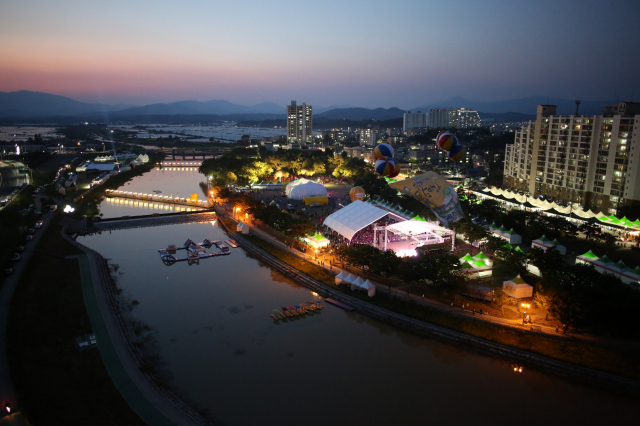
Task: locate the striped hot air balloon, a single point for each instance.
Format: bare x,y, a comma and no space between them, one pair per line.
396,169
386,166
446,141
383,150
457,153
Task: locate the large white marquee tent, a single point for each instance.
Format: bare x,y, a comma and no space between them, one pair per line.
302,188
354,217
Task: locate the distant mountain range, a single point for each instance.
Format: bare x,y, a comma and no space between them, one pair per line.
38,104
361,114
26,104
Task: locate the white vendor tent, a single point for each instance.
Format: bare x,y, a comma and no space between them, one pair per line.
301,188
341,276
242,228
316,241
544,243
352,218
357,283
520,289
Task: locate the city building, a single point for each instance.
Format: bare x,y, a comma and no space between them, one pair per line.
363,152
368,136
466,118
411,120
461,118
440,118
299,123
576,159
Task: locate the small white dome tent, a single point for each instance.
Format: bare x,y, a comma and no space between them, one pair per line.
301,188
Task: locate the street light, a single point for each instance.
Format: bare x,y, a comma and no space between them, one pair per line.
524,313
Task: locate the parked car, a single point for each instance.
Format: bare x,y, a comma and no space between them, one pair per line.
20,249
39,224
31,231
29,237
15,257
8,271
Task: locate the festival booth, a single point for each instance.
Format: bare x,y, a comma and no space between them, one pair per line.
357,283
519,288
316,241
242,228
476,266
340,277
301,188
544,243
360,284
605,265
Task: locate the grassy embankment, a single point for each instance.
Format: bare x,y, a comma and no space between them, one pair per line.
616,361
56,383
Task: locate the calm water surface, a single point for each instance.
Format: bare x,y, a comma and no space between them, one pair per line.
226,354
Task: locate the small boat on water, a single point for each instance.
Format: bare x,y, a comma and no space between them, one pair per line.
232,243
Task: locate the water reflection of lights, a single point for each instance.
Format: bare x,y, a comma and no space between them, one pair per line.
124,202
517,369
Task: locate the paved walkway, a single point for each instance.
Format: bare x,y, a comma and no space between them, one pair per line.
155,406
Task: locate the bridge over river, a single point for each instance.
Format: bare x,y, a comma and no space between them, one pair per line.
156,219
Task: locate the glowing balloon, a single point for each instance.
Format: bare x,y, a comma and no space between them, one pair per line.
386,166
457,153
383,150
356,193
446,141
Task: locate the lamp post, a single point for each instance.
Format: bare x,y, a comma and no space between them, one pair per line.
524,313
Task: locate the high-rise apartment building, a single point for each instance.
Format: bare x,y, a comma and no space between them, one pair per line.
461,118
585,160
440,118
465,118
368,136
299,123
413,120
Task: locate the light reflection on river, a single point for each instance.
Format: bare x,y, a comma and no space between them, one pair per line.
226,354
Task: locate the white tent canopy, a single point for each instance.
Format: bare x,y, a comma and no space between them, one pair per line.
414,227
301,188
352,218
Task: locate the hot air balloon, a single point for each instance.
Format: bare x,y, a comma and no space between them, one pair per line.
457,153
356,193
383,150
386,166
396,170
446,141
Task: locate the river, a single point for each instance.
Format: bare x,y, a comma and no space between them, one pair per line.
226,355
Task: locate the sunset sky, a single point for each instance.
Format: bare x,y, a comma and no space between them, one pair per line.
364,53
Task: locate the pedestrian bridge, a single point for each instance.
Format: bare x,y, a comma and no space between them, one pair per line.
157,198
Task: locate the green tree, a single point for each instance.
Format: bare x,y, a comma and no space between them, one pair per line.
545,261
504,296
